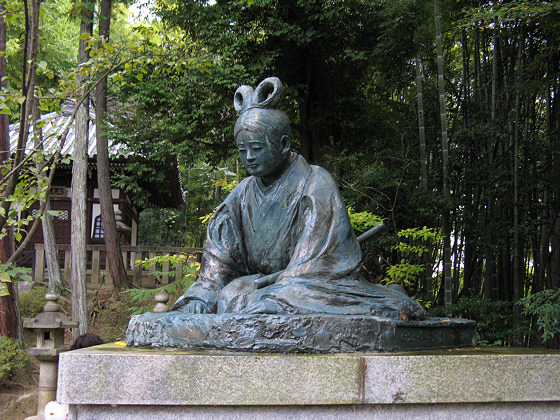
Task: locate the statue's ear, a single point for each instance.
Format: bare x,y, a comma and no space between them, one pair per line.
286,144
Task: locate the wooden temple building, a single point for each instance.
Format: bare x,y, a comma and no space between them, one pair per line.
126,211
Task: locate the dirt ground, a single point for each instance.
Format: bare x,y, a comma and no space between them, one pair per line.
20,401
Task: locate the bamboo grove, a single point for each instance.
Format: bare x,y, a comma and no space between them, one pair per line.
502,86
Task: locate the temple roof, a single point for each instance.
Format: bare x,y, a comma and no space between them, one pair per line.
54,124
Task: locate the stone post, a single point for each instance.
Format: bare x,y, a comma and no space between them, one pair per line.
161,306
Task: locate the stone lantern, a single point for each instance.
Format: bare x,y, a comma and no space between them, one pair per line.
50,326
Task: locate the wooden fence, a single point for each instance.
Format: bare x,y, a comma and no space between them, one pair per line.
98,270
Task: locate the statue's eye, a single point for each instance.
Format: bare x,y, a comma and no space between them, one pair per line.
242,149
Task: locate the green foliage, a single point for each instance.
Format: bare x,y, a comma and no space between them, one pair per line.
545,306
162,227
414,243
404,274
10,273
227,186
14,362
206,218
205,186
32,302
144,298
497,323
29,189
109,318
362,221
343,43
511,11
418,241
58,49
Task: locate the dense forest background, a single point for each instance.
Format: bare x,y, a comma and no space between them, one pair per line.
359,74
441,117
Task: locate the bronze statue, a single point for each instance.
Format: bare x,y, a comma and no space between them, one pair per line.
281,265
281,242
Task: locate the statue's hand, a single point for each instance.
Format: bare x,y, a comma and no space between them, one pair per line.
195,307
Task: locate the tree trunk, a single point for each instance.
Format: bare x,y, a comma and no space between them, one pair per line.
448,287
305,139
79,191
56,282
466,77
8,317
421,127
494,73
476,66
114,255
427,277
490,265
553,131
516,267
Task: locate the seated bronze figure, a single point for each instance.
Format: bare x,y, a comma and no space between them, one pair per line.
281,242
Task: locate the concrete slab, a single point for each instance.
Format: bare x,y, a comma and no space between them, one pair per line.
163,377
488,411
112,382
459,378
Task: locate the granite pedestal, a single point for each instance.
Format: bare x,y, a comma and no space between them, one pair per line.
109,382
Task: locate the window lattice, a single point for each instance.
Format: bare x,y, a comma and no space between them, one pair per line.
98,228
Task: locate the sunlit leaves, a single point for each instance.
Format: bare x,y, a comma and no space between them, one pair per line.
414,242
10,273
505,12
364,220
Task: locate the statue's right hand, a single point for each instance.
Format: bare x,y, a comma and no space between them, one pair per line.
195,307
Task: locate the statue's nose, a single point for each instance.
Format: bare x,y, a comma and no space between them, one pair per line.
250,156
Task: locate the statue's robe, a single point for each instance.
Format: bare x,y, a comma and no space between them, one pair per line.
297,229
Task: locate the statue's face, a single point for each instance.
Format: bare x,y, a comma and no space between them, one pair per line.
261,156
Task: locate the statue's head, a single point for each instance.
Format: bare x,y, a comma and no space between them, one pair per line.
262,132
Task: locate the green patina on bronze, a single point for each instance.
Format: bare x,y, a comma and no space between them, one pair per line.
281,264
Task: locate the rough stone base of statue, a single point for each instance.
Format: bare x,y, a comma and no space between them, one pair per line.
297,333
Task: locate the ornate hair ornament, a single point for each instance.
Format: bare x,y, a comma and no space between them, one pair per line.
268,94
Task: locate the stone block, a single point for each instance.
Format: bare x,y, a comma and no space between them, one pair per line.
162,377
459,378
112,382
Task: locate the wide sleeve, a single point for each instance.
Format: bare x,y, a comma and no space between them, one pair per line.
326,246
223,258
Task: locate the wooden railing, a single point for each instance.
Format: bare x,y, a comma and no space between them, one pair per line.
98,270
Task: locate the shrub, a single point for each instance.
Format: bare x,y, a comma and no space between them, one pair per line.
14,362
362,221
545,306
32,302
497,322
111,317
413,244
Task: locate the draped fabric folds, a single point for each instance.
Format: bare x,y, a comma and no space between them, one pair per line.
297,230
